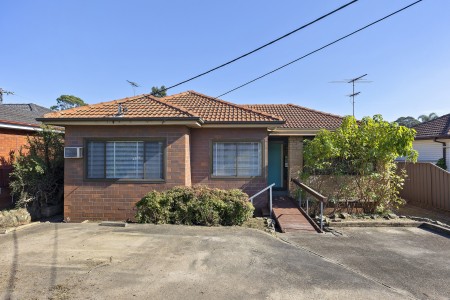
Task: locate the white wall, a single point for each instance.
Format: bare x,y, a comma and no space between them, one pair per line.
430,151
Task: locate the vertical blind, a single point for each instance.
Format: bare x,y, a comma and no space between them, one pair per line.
236,159
125,159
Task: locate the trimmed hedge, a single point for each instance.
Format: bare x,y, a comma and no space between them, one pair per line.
195,206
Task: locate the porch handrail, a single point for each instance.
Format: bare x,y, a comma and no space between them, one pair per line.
262,191
322,199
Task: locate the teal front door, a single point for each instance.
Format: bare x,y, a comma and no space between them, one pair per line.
275,164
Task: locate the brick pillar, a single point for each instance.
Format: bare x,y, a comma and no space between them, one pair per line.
295,158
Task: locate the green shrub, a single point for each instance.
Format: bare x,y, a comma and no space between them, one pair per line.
195,206
441,163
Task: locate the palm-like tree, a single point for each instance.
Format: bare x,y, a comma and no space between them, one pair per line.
426,118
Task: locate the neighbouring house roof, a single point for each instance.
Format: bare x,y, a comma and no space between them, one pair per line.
21,116
299,117
187,106
437,128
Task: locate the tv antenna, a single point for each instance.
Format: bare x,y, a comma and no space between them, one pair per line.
4,92
352,81
134,85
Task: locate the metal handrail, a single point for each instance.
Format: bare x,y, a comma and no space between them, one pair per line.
270,197
313,193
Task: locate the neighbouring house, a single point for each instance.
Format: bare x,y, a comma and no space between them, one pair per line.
17,121
131,146
432,140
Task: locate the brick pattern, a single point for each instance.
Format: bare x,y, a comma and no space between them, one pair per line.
295,157
11,142
201,160
103,200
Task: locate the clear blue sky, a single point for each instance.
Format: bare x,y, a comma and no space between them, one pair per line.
90,48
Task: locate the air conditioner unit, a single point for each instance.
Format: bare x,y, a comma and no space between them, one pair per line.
73,152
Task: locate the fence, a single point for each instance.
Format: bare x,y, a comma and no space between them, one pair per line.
426,185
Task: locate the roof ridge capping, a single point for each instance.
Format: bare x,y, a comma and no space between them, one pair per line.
276,118
177,107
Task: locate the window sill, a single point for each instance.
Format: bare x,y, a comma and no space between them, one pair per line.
154,181
234,177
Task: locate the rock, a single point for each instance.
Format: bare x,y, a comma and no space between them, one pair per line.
392,216
402,217
344,215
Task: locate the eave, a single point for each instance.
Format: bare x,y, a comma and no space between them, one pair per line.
295,132
111,121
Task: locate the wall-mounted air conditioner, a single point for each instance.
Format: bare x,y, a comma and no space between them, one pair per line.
73,152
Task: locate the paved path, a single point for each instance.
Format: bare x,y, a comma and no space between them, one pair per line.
289,217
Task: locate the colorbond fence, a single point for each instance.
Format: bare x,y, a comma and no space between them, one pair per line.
426,185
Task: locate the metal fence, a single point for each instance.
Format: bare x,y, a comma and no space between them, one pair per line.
426,185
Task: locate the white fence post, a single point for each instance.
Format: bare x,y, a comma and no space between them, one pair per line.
270,190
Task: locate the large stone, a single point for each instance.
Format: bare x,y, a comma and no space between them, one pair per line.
14,217
344,215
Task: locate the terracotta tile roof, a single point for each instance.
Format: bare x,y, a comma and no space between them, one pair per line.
298,117
439,127
142,106
218,111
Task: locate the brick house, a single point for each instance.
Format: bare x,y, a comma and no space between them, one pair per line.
142,143
17,121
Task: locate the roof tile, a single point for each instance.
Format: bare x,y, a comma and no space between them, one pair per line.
298,117
439,127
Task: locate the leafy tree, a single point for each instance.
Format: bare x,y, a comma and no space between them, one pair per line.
407,121
159,92
67,101
426,118
38,175
364,154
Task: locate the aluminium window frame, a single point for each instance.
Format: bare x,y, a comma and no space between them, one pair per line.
235,141
124,139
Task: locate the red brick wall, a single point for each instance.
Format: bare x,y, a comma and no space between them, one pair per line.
10,140
201,159
115,201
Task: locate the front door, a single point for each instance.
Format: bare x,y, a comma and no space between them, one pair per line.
275,164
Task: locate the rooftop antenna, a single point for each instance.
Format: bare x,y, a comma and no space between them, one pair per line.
4,92
352,81
134,85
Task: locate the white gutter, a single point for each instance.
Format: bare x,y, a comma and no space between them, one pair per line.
20,127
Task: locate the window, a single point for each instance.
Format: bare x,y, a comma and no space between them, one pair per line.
241,159
125,160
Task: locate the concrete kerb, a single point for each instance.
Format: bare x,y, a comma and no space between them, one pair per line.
417,224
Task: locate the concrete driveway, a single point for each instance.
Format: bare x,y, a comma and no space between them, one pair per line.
87,261
413,261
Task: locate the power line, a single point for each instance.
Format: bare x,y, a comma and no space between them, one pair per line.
321,48
261,47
